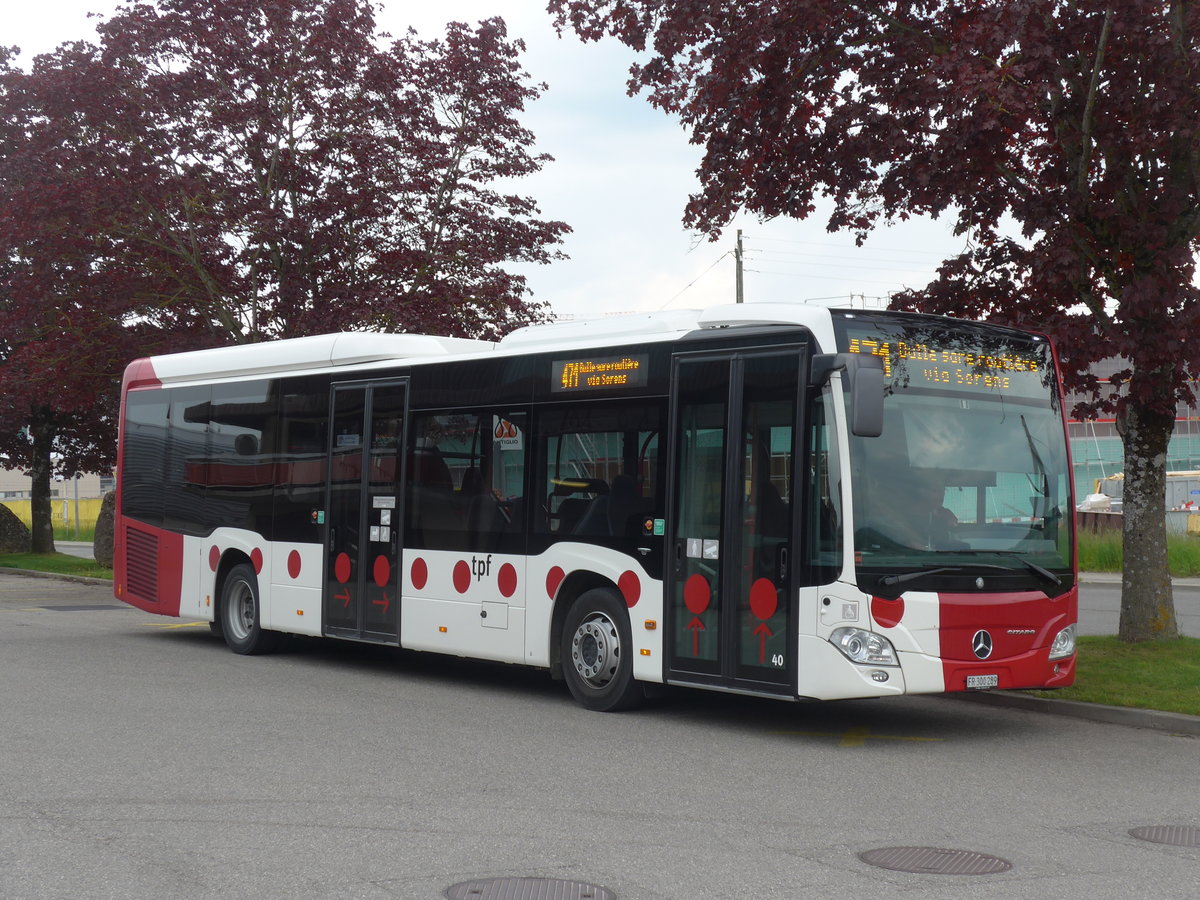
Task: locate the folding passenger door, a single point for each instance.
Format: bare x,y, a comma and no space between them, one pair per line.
363,540
731,604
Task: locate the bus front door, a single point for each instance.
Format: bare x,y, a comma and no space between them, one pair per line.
362,547
731,606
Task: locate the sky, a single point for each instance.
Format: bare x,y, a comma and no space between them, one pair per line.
621,176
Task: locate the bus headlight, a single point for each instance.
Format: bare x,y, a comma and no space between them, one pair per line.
1064,643
864,647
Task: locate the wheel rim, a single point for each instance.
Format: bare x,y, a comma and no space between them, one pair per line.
596,650
240,610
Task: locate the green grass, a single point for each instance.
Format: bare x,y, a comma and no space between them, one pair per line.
1161,675
59,563
68,533
1101,552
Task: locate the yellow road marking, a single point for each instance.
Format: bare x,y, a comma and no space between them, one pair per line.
175,625
858,736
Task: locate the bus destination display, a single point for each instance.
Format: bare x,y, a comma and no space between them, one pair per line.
952,361
598,373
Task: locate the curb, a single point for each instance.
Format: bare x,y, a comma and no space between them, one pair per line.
1157,720
59,576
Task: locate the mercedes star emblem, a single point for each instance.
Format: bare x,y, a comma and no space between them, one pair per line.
982,644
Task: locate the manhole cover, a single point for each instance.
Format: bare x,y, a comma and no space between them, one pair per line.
935,861
527,889
1175,835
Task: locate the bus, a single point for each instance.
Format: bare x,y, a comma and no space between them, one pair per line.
767,499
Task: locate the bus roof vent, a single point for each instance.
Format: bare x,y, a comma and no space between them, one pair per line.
591,330
317,351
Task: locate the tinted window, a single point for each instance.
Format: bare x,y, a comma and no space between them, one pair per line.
465,481
144,453
300,455
598,474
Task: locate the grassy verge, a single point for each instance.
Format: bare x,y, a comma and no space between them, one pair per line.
68,533
1155,675
1101,552
59,563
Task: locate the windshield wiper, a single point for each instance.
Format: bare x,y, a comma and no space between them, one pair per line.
892,580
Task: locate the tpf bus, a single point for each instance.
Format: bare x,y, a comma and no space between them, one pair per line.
769,499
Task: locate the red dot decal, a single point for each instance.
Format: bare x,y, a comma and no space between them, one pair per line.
341,568
554,578
462,576
256,559
631,588
506,580
763,599
294,564
382,571
696,594
887,613
214,558
419,573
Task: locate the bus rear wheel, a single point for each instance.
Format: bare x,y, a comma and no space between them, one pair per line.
240,613
596,653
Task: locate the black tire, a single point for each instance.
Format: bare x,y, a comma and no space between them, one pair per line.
239,614
596,653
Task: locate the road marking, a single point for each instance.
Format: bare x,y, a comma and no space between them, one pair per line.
858,735
175,625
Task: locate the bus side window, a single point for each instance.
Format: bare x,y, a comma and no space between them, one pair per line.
823,525
599,470
495,490
465,482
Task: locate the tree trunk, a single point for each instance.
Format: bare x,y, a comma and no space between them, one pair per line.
1147,602
41,429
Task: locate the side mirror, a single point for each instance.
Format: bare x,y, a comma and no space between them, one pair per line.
864,380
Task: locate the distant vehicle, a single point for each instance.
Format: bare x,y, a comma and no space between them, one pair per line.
768,499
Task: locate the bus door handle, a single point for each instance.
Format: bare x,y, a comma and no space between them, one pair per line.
781,562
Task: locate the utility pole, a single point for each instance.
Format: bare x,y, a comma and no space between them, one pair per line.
737,255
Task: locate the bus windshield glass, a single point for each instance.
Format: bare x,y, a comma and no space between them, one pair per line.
970,475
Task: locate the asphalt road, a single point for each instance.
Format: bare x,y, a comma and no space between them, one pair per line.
141,759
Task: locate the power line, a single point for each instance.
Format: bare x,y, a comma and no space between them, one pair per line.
697,278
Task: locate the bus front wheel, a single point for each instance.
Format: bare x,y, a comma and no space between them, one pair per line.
596,653
240,612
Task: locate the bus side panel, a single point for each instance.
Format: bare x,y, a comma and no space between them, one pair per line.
294,588
464,603
150,576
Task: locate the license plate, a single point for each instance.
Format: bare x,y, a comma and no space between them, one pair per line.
980,682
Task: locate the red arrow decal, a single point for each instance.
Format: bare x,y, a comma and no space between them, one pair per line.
385,603
695,627
763,633
345,596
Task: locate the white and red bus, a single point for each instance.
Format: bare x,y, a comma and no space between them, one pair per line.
769,499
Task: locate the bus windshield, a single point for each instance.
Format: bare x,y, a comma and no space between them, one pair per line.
970,475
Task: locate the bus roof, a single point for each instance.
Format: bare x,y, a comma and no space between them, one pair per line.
305,353
364,348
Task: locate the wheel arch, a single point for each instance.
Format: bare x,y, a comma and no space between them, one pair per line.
229,560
